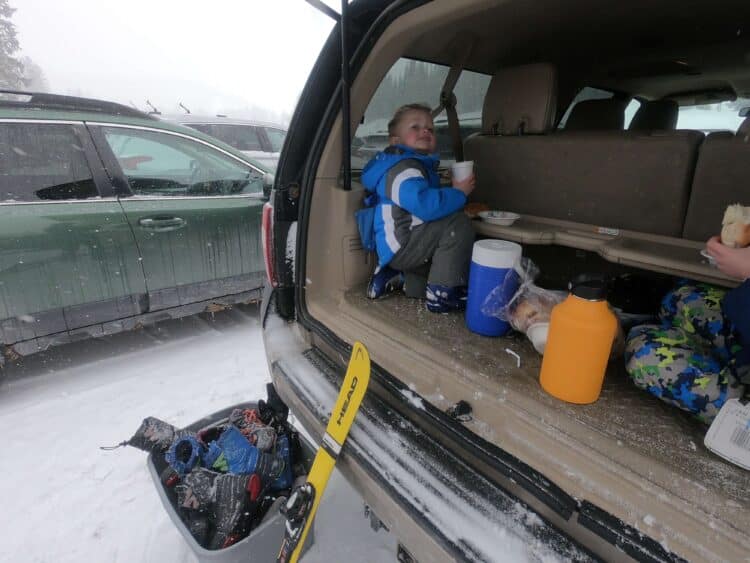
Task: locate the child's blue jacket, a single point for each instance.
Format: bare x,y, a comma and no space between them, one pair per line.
408,193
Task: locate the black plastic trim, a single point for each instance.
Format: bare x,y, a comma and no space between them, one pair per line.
111,165
98,173
636,544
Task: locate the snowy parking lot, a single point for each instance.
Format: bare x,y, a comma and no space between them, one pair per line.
66,500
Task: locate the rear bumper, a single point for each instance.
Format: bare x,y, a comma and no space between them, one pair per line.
439,508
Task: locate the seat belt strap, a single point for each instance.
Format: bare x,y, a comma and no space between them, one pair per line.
465,45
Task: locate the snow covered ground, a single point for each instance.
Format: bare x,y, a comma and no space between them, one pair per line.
66,500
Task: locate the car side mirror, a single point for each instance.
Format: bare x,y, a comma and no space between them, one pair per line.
268,180
744,112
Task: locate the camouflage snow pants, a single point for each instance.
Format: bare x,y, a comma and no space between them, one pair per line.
688,361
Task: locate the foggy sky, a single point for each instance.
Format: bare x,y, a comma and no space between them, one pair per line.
213,56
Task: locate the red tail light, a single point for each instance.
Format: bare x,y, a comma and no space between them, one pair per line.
266,232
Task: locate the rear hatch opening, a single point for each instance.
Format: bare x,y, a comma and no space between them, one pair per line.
635,466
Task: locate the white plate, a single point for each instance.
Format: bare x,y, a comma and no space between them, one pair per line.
708,257
504,218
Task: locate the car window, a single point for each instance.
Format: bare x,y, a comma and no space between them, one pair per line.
241,137
710,118
411,81
162,164
43,162
276,137
630,111
584,94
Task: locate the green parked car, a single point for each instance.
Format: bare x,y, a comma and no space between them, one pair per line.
110,218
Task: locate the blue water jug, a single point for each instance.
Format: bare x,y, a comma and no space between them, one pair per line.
492,265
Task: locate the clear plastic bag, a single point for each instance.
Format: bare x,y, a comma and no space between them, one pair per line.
530,303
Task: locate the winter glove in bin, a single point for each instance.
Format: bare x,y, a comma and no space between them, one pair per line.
222,496
242,457
155,435
184,454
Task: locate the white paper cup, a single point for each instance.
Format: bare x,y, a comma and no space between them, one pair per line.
462,170
537,333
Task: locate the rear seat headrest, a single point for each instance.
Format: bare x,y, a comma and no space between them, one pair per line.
521,99
597,115
655,115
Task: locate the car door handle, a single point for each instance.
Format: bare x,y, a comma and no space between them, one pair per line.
161,224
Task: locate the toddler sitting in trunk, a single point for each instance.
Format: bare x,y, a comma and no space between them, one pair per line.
420,228
700,355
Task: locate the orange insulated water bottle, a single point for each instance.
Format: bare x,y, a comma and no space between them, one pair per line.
581,331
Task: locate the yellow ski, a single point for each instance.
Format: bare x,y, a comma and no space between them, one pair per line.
303,503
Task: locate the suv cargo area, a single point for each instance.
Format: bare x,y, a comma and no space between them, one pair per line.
598,190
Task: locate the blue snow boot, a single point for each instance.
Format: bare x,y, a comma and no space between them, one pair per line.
385,280
443,299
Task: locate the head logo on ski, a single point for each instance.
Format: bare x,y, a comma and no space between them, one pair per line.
344,408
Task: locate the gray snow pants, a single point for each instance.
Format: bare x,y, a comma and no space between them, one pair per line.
437,252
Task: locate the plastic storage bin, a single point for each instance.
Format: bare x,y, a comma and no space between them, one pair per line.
263,543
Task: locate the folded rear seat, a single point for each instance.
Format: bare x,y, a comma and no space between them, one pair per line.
722,177
618,179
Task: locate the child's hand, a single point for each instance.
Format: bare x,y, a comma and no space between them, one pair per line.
466,185
734,262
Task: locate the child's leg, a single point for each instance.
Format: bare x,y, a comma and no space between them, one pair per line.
695,308
444,246
415,281
665,363
450,261
439,251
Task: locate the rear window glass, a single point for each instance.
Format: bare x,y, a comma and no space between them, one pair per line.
276,138
708,118
410,81
241,137
41,162
711,118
